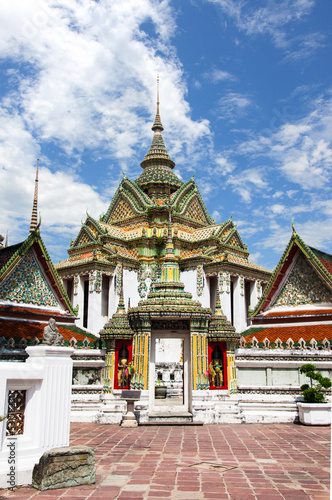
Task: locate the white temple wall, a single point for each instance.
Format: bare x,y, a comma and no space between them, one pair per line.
239,304
130,288
188,278
255,287
78,298
113,299
225,295
95,319
204,298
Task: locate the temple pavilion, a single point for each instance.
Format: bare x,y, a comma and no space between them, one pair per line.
157,251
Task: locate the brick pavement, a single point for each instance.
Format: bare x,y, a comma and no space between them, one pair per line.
233,462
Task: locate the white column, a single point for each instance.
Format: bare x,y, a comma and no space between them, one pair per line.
225,294
78,297
254,297
113,298
55,393
239,304
94,305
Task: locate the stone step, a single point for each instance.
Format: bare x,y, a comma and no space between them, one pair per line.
171,418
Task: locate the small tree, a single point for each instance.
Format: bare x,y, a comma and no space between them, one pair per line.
315,392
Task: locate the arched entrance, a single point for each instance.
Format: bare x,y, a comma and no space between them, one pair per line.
178,396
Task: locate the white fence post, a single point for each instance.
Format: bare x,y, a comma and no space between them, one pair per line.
46,378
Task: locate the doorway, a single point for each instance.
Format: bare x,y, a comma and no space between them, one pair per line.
170,369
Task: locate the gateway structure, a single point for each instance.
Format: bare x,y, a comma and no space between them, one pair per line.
182,275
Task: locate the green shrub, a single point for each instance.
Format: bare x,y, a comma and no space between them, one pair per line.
319,385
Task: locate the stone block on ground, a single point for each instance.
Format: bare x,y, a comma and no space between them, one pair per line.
65,467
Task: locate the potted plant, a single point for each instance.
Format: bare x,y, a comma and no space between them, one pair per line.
314,410
160,390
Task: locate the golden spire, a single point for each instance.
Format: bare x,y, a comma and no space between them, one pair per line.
34,215
157,94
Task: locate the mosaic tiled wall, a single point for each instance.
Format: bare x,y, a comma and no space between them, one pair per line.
28,285
303,286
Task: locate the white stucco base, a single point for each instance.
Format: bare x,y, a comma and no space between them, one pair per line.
46,377
209,407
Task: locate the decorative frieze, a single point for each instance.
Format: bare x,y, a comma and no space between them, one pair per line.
76,283
95,280
199,280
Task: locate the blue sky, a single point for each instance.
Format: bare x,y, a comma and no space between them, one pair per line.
246,104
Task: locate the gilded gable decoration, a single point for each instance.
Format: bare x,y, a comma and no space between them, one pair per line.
233,238
122,210
28,284
302,286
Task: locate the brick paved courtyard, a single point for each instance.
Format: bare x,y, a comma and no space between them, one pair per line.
233,462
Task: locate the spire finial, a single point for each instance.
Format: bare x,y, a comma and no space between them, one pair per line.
34,215
157,94
293,227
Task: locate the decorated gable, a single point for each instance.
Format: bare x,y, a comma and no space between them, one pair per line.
85,236
27,284
303,286
233,238
128,201
194,211
122,210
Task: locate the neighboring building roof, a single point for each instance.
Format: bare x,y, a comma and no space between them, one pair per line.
297,301
316,279
18,329
28,276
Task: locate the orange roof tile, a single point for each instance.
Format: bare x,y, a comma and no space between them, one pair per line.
30,330
306,332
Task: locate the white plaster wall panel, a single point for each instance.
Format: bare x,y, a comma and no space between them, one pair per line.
239,304
130,288
95,319
188,278
113,297
205,297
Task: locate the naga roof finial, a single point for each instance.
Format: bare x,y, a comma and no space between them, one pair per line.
293,227
34,215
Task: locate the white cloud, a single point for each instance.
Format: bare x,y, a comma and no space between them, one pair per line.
218,75
234,105
300,149
224,166
278,208
248,183
271,18
63,197
87,87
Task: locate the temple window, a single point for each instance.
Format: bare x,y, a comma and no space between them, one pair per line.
16,409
